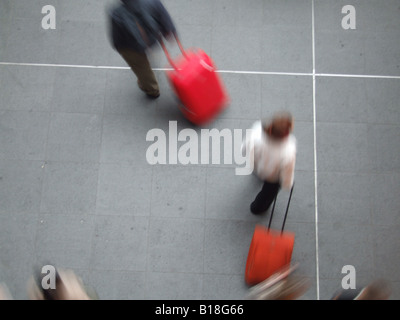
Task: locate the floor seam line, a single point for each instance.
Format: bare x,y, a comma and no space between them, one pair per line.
306,74
315,149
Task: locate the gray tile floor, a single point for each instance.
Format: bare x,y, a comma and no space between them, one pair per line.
76,189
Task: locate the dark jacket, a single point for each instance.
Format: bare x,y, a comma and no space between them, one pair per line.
150,15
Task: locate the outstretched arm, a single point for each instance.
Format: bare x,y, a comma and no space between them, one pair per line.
164,20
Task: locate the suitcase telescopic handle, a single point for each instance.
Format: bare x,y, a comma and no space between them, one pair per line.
171,62
287,210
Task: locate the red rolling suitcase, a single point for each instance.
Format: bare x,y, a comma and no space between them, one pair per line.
270,250
197,85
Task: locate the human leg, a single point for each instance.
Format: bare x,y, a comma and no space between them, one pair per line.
140,66
265,197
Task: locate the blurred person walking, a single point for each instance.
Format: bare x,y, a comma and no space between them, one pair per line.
136,26
274,156
376,290
282,285
68,286
4,292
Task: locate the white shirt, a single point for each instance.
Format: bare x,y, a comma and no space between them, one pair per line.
274,161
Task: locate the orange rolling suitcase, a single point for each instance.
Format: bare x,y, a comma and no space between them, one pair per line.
197,85
270,250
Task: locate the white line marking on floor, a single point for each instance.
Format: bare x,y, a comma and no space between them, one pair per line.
315,152
266,73
60,65
356,76
219,71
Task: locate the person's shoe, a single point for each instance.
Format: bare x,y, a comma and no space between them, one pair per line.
153,96
150,95
255,210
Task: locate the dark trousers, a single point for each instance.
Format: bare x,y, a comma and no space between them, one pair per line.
140,66
265,197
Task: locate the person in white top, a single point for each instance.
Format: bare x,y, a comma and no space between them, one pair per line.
274,155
